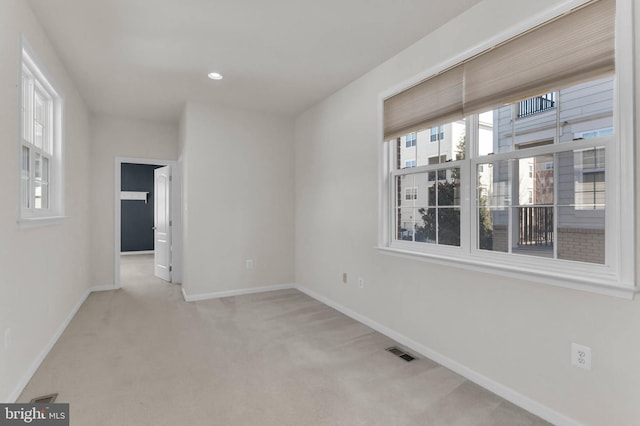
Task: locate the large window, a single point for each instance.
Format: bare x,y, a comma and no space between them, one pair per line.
525,175
40,143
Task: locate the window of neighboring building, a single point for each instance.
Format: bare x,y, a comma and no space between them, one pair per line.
437,133
411,193
410,140
40,143
534,194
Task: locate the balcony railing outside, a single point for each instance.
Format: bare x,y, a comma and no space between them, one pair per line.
535,226
535,105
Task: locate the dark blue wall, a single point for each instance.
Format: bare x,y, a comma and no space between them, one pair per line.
136,229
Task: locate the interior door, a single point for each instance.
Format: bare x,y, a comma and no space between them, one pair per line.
162,223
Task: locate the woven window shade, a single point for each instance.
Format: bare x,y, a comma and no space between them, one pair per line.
567,50
428,103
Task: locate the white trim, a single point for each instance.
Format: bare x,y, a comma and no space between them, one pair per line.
176,198
499,389
626,130
33,222
134,195
134,253
230,293
593,284
26,377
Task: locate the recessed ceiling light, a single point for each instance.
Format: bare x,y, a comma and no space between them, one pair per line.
214,76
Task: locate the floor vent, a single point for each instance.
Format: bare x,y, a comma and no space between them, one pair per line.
400,353
47,399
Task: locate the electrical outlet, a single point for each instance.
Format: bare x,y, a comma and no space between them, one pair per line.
581,356
7,338
344,277
360,282
249,264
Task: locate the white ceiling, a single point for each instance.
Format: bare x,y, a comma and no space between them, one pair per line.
145,58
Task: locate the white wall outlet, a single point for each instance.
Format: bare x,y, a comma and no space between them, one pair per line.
249,264
581,356
360,282
7,338
344,277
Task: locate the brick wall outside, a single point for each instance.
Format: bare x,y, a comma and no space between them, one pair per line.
582,244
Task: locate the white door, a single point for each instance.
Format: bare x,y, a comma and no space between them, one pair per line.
162,223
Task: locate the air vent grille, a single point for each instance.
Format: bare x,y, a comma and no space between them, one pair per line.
46,399
401,353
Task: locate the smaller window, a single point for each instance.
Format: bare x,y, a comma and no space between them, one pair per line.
411,193
437,133
410,163
40,144
410,140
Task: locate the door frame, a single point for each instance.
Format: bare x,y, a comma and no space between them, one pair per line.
176,209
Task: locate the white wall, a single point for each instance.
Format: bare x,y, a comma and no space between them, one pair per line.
516,333
238,199
113,137
40,280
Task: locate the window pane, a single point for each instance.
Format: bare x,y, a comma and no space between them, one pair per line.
485,133
25,179
449,187
45,169
488,220
493,199
407,219
26,105
38,166
535,180
449,226
37,192
581,235
586,110
534,230
426,227
406,154
44,196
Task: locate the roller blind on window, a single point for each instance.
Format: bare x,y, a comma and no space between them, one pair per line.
574,47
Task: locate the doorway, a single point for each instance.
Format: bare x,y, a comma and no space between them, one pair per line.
147,219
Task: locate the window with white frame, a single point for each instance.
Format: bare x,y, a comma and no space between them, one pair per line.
410,140
40,143
519,191
411,193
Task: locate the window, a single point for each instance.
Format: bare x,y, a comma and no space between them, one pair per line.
410,140
411,193
437,133
40,143
590,179
410,163
527,197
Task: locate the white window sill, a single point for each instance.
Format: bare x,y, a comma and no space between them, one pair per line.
600,285
35,222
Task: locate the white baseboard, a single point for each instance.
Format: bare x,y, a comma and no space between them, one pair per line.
102,288
505,392
229,293
45,351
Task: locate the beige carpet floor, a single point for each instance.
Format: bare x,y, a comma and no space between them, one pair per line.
141,355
